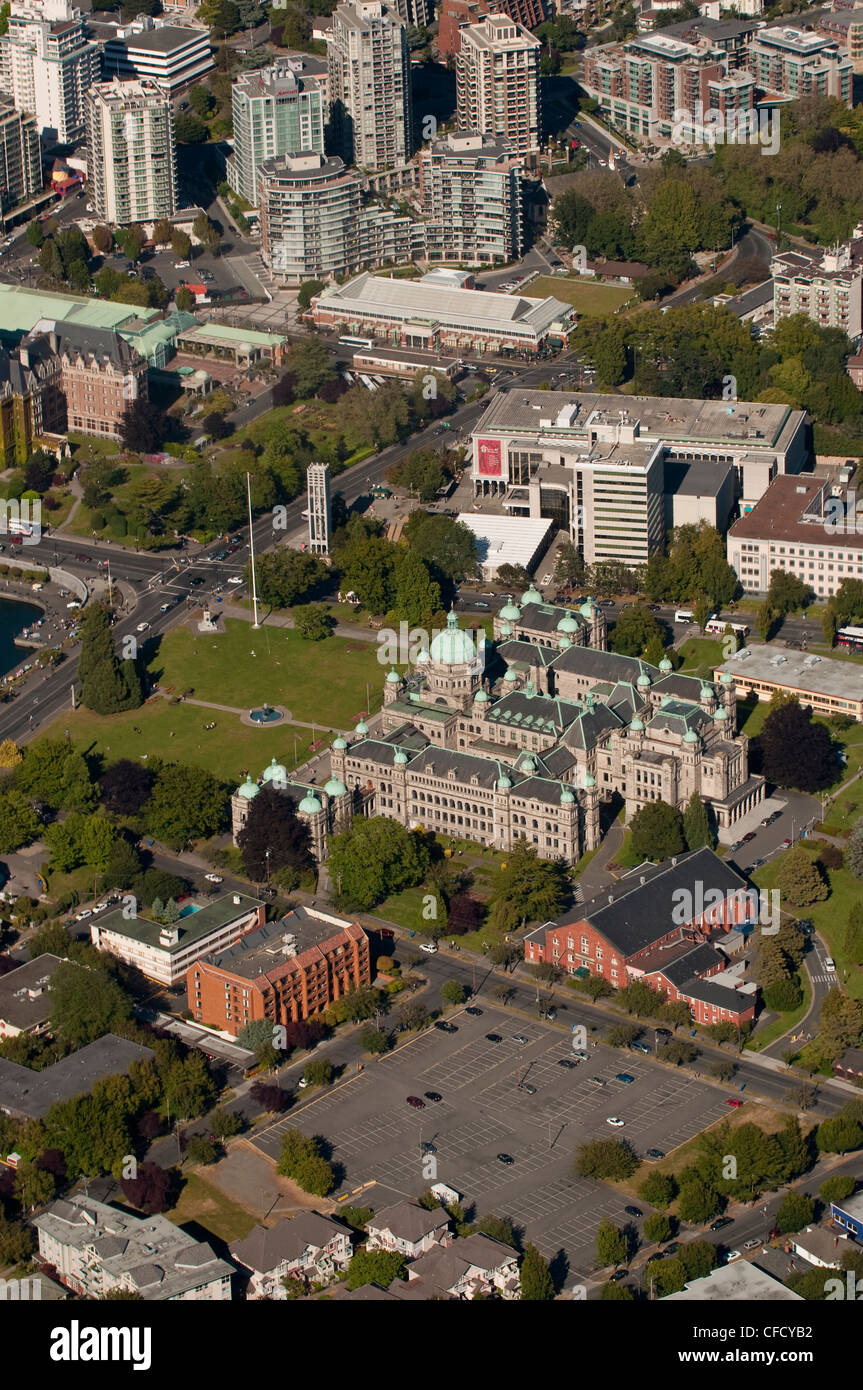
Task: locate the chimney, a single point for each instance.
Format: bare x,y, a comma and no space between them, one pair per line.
24,355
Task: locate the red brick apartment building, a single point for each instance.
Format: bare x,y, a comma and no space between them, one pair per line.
100,374
285,971
671,925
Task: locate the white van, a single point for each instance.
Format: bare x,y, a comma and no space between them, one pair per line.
683,615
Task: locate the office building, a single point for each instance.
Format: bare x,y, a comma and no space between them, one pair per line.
426,314
164,951
275,113
370,86
805,526
24,997
47,64
318,483
286,971
597,466
825,285
800,63
497,83
132,163
20,162
472,194
97,1249
26,1094
828,687
174,55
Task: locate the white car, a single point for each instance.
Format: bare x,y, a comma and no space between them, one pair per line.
732,1255
73,604
83,914
182,265
830,963
614,1122
235,579
143,627
428,946
302,1083
213,878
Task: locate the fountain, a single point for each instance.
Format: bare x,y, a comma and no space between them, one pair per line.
266,715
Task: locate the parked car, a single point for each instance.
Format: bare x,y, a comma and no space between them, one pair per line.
531,1090
731,1256
829,964
445,1027
568,1063
474,1011
624,1077
640,1047
493,1037
519,1038
734,1102
581,1055
235,579
633,1211
302,1083
721,1222
433,1095
505,1158
416,1102
751,1244
551,1015
429,947
750,835
615,1122
214,878
182,265
655,1154
83,914
596,1081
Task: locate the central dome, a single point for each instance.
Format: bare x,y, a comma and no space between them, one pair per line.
453,647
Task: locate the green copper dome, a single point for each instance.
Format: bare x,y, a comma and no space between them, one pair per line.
453,647
510,678
275,772
707,693
505,630
587,608
527,764
566,796
362,728
393,678
643,680
503,782
531,595
510,611
335,787
480,697
690,736
636,726
666,700
401,756
248,789
665,665
720,714
567,624
422,657
726,678
340,743
589,780
564,643
310,805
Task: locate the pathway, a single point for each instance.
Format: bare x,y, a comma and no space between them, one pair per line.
595,876
275,619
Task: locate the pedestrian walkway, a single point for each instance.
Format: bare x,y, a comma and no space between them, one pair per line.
274,619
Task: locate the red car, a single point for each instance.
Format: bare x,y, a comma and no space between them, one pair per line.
416,1103
732,1100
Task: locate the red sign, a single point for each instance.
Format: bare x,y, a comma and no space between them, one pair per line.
489,458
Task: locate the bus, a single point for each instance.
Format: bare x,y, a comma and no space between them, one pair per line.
716,627
15,526
850,639
357,342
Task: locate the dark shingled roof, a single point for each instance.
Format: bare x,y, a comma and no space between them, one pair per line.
641,913
263,1249
544,617
603,666
719,995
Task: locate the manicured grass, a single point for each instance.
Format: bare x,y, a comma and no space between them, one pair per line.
626,856
406,909
206,1206
319,682
786,1022
227,751
586,296
829,916
700,655
751,715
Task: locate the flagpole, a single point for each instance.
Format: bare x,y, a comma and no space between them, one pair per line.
252,552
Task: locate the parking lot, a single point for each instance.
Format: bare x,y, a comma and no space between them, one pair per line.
376,1136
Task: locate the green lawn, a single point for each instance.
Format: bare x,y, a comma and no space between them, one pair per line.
586,296
829,916
227,751
700,655
785,1022
319,682
205,1205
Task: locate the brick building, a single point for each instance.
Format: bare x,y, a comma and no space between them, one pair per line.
455,14
285,971
672,925
100,374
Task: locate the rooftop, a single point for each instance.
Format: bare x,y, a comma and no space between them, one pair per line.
21,310
223,333
24,998
167,39
278,946
231,907
408,1221
792,509
265,1248
792,670
736,1283
32,1093
432,304
506,540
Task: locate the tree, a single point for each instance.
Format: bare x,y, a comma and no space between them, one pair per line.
307,291
795,751
269,1096
273,838
453,992
86,1004
699,1201
527,888
375,858
35,234
788,591
201,1150
634,630
497,1228
189,128
33,1186
379,1267
696,826
657,831
10,753
225,1123
150,1190
417,597
107,684
187,803
181,244
611,1243
616,1293
659,1189
286,577
854,850
301,1160
796,1210
319,1073
125,786
537,1285
184,299
19,824
838,1135
800,878
611,1159
657,1228
837,1188
313,622
310,364
448,548
142,426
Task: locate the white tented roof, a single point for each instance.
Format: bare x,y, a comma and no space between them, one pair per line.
506,540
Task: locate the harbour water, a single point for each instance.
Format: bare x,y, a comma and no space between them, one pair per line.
14,618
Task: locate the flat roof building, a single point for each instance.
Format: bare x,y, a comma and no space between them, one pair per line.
26,1094
173,55
472,194
825,286
805,525
164,951
24,996
131,153
426,316
826,686
507,540
371,120
497,82
797,63
740,1282
275,113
